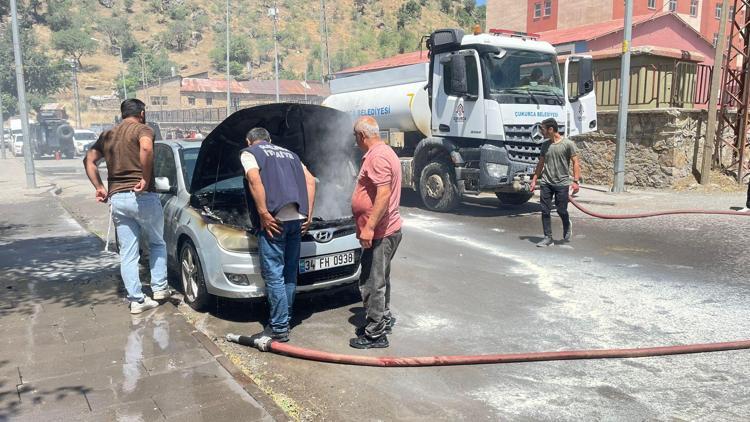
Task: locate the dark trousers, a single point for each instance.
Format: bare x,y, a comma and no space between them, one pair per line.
560,193
747,202
375,283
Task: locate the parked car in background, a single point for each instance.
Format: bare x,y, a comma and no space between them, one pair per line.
18,146
83,138
210,220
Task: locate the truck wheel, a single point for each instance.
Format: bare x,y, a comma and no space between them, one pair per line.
517,198
193,280
437,187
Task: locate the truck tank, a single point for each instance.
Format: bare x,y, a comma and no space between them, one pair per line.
396,98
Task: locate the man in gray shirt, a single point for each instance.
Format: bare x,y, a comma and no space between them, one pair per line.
554,169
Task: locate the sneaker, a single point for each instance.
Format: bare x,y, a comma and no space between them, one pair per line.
142,306
163,294
746,209
388,328
281,337
364,342
568,234
547,241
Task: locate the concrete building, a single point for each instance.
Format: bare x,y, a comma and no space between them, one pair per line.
546,15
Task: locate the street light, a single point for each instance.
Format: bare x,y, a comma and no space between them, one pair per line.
122,70
74,66
21,88
274,14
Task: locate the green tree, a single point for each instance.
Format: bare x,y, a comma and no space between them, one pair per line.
445,5
44,75
154,63
177,36
74,43
59,14
128,4
240,52
408,12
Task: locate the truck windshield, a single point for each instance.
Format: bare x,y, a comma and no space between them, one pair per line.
524,72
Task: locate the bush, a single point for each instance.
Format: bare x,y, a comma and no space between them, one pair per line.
409,11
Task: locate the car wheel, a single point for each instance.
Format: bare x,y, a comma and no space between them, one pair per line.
438,188
193,280
518,198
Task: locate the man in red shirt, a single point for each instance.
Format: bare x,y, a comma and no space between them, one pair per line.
375,204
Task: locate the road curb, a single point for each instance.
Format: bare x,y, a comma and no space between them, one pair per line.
243,379
240,377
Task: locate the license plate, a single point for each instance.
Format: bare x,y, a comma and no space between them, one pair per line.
324,262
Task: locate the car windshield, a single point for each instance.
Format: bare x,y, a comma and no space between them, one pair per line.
523,72
189,158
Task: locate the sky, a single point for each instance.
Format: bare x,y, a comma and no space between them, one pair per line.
481,2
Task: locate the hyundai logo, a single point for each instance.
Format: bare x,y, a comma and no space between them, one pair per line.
323,236
536,133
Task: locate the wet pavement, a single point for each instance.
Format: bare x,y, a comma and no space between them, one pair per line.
473,282
70,350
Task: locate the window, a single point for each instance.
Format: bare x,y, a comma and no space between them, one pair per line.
537,10
164,165
652,4
209,101
672,5
472,76
716,39
191,100
717,11
159,100
520,73
547,7
693,7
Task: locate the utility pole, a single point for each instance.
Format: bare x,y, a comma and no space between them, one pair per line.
622,112
74,65
274,14
325,36
21,88
229,77
143,79
708,143
2,123
122,73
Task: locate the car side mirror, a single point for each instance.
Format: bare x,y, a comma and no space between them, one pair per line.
161,185
458,83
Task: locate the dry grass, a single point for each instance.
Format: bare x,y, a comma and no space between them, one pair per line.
719,182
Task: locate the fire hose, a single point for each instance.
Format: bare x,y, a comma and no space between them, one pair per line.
266,344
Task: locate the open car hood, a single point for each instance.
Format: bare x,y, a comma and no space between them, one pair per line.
319,135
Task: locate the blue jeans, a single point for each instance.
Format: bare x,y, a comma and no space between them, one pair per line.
136,214
279,263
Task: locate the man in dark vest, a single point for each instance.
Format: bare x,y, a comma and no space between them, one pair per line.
284,192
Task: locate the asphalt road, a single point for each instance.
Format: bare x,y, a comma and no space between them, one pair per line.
472,282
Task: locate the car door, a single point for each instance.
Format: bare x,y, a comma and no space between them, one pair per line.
165,165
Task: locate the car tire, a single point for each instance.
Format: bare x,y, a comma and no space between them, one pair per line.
192,278
437,187
517,198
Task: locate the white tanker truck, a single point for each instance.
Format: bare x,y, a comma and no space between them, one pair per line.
466,122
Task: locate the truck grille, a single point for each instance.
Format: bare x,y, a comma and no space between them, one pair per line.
329,274
520,146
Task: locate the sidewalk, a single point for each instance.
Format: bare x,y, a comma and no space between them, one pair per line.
69,349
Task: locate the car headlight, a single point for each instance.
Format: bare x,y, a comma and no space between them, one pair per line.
233,239
497,171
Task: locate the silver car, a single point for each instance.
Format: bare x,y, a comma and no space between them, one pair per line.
210,221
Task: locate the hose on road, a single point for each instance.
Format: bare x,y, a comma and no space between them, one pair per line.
266,344
651,214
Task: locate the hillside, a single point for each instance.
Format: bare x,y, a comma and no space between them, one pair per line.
182,34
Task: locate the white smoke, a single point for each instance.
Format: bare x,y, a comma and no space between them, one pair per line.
333,158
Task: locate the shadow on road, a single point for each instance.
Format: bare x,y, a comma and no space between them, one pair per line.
477,206
64,271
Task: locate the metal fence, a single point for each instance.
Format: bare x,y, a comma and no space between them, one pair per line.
683,84
205,116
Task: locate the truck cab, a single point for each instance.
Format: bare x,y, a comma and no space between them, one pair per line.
467,121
